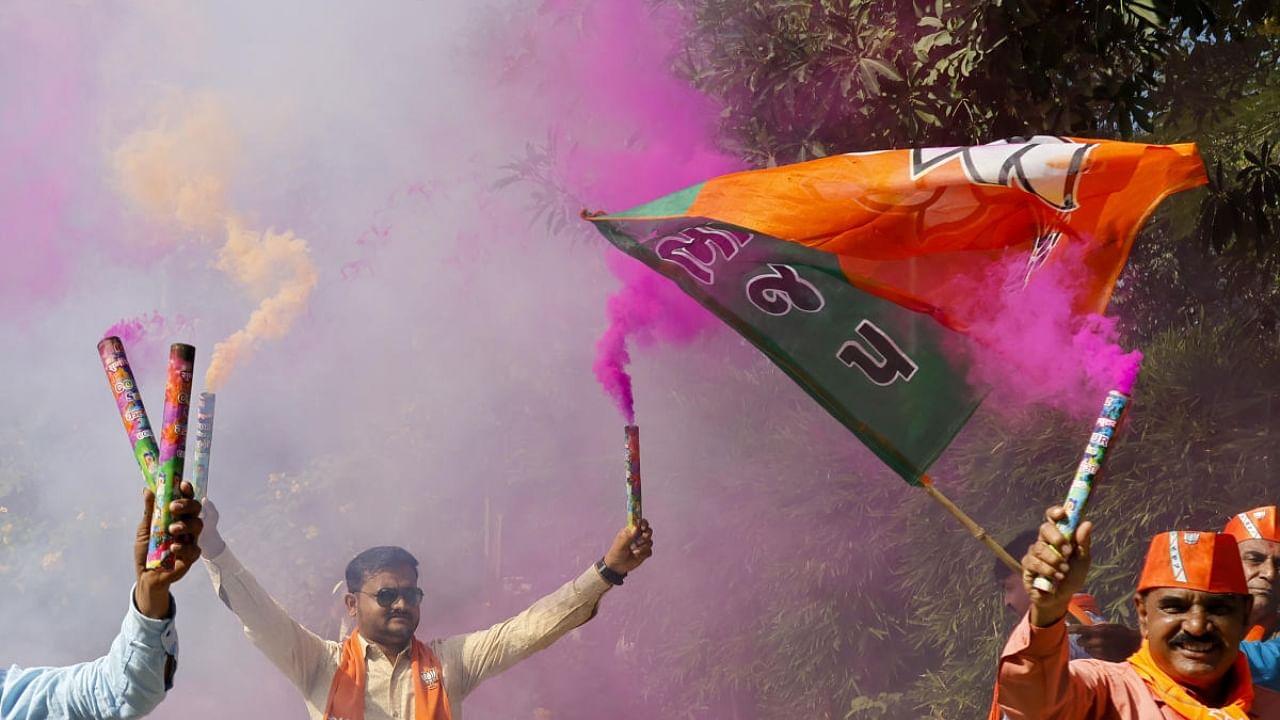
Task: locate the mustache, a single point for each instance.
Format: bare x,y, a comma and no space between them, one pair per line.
1182,638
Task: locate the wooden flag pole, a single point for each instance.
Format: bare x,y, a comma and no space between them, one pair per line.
981,534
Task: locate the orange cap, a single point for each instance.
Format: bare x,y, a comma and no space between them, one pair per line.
1204,561
1256,524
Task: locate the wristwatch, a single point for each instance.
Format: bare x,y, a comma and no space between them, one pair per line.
610,575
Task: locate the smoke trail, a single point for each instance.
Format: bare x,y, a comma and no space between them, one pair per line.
252,259
647,309
1034,349
177,172
651,134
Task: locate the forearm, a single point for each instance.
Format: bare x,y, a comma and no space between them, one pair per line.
151,598
1035,678
489,652
1043,616
128,682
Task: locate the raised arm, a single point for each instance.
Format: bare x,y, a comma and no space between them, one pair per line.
132,678
483,654
128,682
300,654
1036,678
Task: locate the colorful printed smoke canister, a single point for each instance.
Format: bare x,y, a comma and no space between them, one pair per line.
634,511
173,449
129,402
1095,454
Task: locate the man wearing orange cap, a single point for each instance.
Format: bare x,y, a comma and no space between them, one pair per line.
1258,536
1193,609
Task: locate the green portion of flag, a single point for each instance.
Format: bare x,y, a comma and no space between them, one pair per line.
676,203
890,375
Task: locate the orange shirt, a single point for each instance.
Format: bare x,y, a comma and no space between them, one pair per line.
1037,681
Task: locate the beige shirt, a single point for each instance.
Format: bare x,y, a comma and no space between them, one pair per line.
310,661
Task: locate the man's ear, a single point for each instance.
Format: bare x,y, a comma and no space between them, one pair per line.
350,600
1140,605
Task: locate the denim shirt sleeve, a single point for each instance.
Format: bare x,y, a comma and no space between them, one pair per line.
1264,662
128,682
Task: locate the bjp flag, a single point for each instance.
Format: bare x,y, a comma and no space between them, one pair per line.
854,273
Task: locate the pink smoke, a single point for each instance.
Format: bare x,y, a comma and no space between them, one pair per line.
646,310
147,334
43,127
1034,348
627,131
377,235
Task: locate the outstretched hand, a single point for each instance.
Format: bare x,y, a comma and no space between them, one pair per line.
151,594
631,547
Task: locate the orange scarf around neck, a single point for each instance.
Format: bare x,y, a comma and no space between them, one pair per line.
346,694
1239,695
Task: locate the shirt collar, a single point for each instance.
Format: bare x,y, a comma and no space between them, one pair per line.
371,647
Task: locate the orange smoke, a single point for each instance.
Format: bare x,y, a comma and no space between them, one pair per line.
177,172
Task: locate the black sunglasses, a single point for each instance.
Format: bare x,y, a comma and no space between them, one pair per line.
387,596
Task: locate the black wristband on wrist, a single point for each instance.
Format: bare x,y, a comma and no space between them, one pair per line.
609,574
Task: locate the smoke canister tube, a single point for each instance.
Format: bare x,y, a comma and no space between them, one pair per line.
634,511
1095,454
129,402
204,441
173,450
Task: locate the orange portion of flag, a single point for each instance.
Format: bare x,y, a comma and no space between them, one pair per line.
920,226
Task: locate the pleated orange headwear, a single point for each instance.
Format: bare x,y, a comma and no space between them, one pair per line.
1203,561
1256,524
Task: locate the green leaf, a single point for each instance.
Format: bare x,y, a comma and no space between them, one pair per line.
881,68
928,117
1144,11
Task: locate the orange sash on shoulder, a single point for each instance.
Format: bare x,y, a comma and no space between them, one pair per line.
346,694
1239,695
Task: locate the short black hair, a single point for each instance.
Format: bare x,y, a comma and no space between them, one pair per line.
1016,547
375,560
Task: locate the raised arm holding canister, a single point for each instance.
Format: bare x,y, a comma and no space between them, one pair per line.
132,678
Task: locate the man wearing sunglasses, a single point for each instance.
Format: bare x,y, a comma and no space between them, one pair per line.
132,678
381,671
